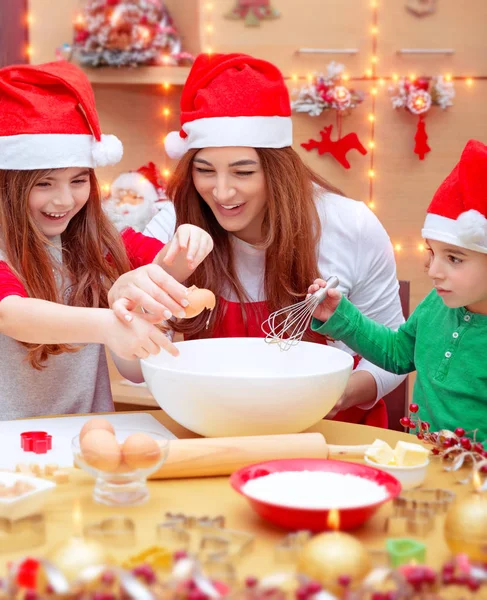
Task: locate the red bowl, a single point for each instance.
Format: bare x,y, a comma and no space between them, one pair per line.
313,519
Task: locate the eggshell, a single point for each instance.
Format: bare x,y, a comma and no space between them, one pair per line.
100,449
96,424
199,299
140,451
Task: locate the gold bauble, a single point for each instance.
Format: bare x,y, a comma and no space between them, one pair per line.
466,527
328,556
74,555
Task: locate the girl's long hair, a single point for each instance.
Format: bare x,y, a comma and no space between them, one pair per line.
86,242
291,231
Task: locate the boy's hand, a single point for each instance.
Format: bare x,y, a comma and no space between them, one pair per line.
324,310
193,241
137,339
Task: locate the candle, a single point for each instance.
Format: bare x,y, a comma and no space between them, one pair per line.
328,557
404,550
75,554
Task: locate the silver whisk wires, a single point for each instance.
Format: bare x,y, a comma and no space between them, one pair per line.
289,331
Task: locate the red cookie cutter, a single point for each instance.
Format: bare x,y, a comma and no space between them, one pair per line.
38,442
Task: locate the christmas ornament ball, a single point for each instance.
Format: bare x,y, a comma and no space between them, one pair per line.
329,556
466,527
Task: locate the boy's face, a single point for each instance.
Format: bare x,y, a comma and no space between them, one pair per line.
459,276
56,198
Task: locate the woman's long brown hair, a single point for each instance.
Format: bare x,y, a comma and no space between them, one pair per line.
291,230
85,244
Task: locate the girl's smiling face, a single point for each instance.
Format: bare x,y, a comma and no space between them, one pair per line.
58,197
459,276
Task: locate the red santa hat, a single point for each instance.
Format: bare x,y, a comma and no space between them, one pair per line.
458,212
48,120
232,100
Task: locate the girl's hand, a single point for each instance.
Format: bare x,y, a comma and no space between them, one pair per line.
137,339
192,241
324,310
151,288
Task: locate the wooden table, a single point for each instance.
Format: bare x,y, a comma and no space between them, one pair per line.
214,496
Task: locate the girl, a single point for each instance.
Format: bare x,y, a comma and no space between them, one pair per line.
274,222
445,339
59,255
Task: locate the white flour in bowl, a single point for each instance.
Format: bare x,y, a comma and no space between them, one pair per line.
315,489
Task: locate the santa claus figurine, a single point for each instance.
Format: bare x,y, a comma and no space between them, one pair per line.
134,197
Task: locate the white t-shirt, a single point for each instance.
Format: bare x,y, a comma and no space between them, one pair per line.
354,246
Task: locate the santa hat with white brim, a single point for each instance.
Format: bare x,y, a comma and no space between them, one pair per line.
232,100
457,214
48,120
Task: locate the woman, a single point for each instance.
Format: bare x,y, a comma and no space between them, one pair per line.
275,224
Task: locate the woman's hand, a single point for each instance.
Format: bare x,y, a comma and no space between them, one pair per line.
324,310
150,288
361,390
137,339
190,243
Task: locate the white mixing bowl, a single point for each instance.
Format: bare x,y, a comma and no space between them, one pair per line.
242,386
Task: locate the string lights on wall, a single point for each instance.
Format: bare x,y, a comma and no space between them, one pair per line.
374,82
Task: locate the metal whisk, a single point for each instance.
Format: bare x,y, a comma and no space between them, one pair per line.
289,331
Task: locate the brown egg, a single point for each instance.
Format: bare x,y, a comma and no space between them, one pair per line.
100,449
199,299
140,451
96,423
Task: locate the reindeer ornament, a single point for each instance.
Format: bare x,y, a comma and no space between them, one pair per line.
327,92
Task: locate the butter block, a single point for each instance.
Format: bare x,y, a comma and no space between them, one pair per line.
410,455
381,453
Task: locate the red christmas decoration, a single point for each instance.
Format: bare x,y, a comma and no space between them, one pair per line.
421,148
253,12
337,148
417,96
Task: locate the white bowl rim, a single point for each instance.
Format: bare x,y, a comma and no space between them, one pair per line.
260,376
372,463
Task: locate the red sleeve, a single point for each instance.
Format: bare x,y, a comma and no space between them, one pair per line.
141,249
9,284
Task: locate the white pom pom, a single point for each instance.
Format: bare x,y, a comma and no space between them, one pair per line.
472,227
175,145
108,151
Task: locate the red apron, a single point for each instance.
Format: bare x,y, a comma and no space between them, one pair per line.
233,326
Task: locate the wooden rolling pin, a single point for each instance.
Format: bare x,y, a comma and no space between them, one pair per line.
203,457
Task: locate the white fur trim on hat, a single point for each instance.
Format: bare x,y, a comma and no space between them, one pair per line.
136,182
26,152
217,132
175,145
468,231
108,151
252,132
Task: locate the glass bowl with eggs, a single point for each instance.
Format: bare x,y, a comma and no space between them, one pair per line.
120,460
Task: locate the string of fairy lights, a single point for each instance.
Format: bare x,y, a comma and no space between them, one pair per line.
370,76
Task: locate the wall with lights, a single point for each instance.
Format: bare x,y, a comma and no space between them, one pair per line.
377,41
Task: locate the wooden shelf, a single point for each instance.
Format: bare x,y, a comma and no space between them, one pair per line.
137,75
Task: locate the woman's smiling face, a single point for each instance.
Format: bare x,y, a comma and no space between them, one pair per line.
232,182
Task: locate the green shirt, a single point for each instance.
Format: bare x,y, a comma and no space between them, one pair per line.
446,346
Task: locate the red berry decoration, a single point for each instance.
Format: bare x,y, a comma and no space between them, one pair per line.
180,554
449,442
465,443
460,432
478,447
413,408
251,581
405,422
